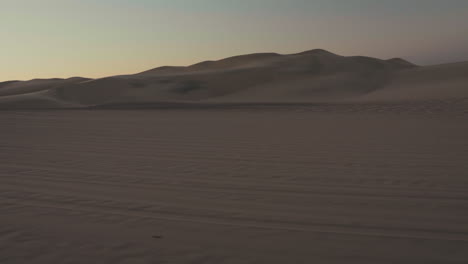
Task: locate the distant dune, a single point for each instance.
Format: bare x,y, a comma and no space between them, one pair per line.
315,76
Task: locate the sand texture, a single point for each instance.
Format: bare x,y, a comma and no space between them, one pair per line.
244,185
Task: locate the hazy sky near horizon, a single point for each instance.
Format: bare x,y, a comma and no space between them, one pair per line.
97,38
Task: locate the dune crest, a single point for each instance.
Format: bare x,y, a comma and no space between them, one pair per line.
306,77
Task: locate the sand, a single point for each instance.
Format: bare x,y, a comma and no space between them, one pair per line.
364,164
242,185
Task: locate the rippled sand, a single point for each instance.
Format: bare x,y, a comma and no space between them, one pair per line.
295,185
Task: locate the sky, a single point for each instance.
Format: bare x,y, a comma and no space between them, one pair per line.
97,38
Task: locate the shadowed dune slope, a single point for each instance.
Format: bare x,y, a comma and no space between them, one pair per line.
307,77
22,87
37,93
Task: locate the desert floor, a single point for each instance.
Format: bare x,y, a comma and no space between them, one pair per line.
272,185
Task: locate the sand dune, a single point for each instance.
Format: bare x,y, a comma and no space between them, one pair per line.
449,81
38,93
308,77
23,87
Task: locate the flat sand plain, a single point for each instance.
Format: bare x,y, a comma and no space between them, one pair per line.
349,184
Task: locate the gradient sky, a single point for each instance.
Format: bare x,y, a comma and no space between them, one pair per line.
96,38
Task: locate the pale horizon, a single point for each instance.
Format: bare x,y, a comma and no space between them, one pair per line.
62,39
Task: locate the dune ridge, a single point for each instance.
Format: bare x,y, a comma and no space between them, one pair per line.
315,76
